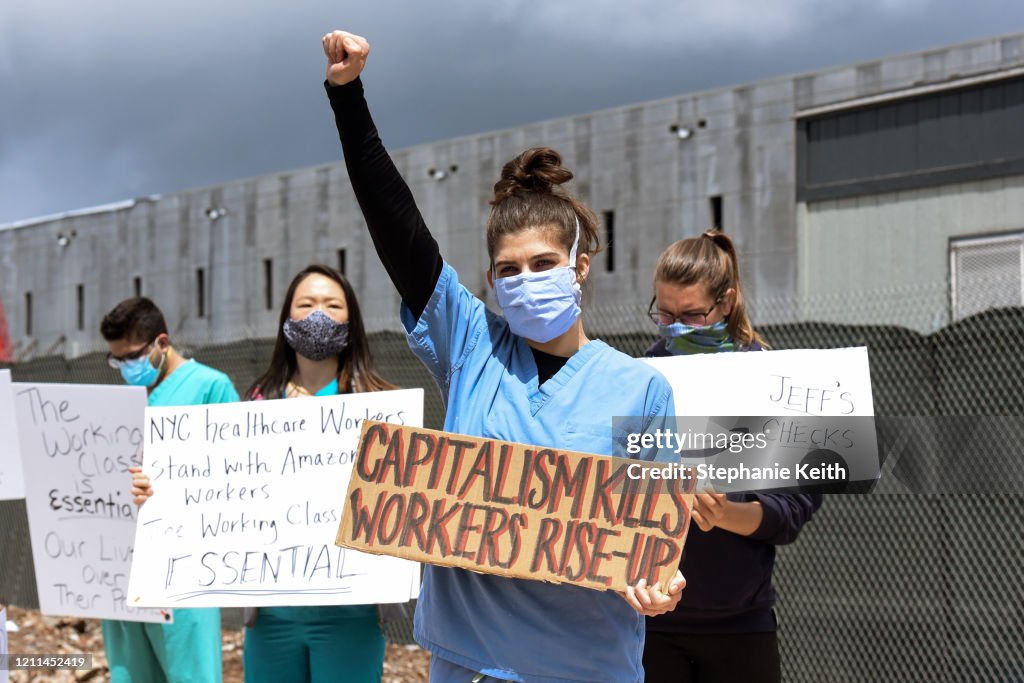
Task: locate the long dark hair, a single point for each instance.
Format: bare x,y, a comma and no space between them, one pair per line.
356,372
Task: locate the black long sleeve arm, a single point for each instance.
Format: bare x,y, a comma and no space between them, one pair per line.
404,244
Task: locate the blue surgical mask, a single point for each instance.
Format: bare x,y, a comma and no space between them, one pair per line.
541,306
140,372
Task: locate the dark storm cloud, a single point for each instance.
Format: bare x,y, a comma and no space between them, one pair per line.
110,99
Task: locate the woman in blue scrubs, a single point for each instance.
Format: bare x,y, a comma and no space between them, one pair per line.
530,376
321,350
730,603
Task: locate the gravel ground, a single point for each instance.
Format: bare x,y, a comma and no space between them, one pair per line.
38,635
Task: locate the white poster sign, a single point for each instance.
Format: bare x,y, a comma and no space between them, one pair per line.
3,646
247,498
12,482
812,403
77,443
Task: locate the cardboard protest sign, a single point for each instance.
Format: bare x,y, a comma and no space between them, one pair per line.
514,510
78,442
246,500
810,409
12,481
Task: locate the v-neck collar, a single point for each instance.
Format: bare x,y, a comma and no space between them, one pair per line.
539,394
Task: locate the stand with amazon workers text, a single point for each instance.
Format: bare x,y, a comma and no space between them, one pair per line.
246,502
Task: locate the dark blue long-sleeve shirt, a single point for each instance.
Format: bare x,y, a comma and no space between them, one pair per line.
728,576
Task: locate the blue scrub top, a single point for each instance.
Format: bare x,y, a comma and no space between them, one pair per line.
516,629
330,390
193,384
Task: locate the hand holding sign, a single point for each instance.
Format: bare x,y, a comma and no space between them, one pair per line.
709,510
651,601
141,488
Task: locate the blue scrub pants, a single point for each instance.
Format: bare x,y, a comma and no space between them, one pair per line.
186,651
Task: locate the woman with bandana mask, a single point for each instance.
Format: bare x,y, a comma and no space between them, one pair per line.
698,304
530,376
321,350
699,307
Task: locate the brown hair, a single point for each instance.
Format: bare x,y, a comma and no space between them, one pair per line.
356,372
528,195
134,320
710,260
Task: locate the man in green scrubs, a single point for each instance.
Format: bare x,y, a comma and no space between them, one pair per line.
189,649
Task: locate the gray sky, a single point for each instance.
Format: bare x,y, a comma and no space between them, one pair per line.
113,99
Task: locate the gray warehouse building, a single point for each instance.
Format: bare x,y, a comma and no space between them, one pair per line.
879,204
898,181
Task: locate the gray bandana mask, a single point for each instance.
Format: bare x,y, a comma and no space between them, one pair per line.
317,336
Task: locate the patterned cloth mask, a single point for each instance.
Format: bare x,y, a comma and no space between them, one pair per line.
683,339
317,336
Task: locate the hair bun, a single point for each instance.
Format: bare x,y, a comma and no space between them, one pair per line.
536,170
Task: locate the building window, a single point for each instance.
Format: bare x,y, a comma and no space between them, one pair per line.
609,240
986,272
200,292
28,314
716,212
268,283
137,285
341,261
80,307
963,134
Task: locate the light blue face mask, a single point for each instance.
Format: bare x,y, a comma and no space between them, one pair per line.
140,372
542,306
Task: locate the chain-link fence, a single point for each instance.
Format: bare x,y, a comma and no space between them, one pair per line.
878,587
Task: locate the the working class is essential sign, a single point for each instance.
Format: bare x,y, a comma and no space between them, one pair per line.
77,443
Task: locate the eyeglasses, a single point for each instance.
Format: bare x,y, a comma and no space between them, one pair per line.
117,362
691,318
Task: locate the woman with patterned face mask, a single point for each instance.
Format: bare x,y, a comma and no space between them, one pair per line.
725,629
321,350
321,346
531,376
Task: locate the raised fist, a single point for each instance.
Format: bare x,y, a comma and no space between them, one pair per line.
346,56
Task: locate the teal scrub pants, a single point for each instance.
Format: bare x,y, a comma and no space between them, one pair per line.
342,644
186,651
